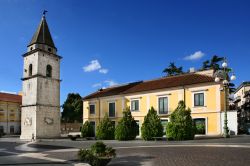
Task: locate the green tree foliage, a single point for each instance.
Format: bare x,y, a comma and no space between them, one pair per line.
172,70
181,126
87,130
98,155
72,108
106,129
126,128
231,87
151,126
213,63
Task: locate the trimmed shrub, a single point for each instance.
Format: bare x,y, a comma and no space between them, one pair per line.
87,130
151,126
126,128
98,155
106,129
181,125
200,129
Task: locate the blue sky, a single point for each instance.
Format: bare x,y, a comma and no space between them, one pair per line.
124,40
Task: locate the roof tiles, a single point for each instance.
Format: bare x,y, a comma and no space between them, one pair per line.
162,83
10,97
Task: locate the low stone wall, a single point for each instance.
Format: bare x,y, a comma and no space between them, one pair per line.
70,127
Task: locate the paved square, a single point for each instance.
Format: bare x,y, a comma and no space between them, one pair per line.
208,152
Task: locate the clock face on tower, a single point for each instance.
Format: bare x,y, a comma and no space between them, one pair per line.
41,86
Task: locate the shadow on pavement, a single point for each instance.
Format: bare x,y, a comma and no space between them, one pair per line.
131,161
50,147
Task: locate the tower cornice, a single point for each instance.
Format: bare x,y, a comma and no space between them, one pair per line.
39,75
38,49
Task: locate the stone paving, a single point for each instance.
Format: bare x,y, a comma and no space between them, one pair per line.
217,151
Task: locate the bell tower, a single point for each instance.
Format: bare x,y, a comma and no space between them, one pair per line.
41,86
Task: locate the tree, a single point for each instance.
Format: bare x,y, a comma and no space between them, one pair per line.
151,126
106,129
231,87
205,65
172,70
87,130
213,63
72,108
126,128
181,125
244,115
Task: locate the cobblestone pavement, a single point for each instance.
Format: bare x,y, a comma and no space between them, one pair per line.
217,151
182,156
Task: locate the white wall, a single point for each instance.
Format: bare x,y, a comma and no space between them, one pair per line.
232,122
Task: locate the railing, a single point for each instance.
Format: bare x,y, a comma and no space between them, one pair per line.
236,99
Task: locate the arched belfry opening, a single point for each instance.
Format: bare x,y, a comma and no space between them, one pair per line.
30,70
48,71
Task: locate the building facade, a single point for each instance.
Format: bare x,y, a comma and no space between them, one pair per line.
41,87
10,113
242,102
198,90
239,94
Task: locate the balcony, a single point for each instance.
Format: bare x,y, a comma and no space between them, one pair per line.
237,99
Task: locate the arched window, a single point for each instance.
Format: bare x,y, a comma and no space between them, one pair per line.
49,71
30,70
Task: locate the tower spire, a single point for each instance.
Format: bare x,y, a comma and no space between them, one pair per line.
42,34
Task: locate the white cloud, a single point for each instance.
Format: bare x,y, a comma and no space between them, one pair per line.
97,85
195,56
105,84
104,71
110,83
94,65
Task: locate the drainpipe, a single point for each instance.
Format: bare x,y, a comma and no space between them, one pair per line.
7,118
99,102
184,95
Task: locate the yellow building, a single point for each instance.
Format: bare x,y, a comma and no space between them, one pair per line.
198,90
10,113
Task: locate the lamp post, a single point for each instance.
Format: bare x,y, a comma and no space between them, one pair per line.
222,75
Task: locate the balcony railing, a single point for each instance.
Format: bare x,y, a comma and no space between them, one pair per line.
237,99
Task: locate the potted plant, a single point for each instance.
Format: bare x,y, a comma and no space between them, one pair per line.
98,155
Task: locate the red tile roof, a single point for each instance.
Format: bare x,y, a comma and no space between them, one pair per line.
161,83
10,97
170,82
111,91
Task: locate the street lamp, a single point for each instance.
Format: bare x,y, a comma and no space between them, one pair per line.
222,75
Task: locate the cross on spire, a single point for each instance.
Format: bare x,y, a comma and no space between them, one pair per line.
44,12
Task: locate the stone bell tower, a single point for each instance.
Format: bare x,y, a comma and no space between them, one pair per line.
41,87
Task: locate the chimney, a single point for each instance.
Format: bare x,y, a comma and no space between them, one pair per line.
191,70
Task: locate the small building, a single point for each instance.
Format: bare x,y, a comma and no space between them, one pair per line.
10,113
242,102
239,94
198,90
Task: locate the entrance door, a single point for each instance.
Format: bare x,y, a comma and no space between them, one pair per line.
1,130
12,130
200,124
92,123
137,127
